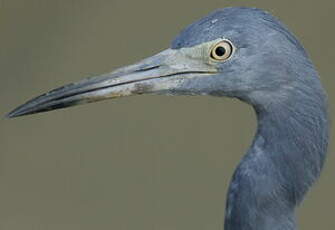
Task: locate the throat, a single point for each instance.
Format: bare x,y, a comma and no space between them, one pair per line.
286,157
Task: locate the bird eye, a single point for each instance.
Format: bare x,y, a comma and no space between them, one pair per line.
222,51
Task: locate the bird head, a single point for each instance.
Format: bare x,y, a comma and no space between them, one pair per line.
236,52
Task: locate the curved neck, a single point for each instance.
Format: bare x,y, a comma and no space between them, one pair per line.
286,157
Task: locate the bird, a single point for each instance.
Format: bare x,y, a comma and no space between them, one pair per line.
248,54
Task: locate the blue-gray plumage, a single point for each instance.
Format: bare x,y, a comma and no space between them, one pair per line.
248,54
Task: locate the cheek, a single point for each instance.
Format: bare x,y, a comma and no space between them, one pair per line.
232,76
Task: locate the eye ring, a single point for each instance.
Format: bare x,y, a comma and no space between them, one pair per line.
222,51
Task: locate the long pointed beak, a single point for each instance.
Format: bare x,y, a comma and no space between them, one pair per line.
157,73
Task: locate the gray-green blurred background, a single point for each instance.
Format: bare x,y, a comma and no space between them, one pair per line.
146,162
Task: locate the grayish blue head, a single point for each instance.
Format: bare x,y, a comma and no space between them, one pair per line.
248,54
236,52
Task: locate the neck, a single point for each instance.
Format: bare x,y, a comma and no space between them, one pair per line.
285,159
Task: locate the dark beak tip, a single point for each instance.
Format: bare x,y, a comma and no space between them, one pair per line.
17,112
12,114
8,116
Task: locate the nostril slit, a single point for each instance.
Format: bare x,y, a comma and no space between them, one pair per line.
148,68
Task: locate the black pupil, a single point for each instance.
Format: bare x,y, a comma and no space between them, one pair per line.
220,51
